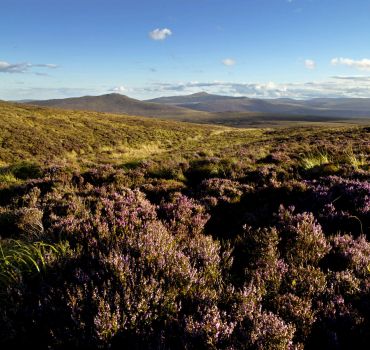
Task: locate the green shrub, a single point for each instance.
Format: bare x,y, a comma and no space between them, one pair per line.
26,170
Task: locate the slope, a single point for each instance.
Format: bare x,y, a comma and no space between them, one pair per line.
116,103
44,134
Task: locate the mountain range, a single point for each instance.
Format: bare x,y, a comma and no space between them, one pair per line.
329,107
203,107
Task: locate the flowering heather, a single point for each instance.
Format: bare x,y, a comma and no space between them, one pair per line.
351,253
222,189
227,246
271,332
183,215
345,204
302,240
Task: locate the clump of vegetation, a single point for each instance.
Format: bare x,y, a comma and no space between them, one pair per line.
356,159
315,160
20,259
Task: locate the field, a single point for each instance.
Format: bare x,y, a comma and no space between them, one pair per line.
140,233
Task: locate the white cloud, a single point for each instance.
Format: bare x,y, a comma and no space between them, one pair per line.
24,67
160,34
229,62
310,64
118,89
6,67
363,64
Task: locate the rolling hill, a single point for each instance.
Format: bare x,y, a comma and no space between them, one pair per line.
86,138
46,134
120,104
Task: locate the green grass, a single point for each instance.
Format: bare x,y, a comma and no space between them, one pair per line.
18,258
44,135
315,160
32,138
9,179
356,159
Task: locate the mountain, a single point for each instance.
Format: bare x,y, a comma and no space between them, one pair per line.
227,110
207,102
323,107
199,97
120,104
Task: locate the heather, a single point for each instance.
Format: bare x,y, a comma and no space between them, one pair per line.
223,239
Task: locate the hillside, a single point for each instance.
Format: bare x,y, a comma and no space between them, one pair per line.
116,103
86,138
43,134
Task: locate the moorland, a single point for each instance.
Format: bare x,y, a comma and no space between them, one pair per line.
120,231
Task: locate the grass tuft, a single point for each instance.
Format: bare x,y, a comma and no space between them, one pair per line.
18,258
313,160
356,160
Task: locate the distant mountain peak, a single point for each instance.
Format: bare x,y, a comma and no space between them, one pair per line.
200,94
114,94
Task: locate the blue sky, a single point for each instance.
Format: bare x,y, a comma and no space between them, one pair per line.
150,48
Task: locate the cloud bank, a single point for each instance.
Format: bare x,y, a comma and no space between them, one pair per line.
363,64
334,87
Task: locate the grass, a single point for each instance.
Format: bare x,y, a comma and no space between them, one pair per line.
315,160
356,160
18,258
9,179
33,138
44,135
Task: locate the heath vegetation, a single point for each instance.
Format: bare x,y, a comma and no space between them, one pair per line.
125,232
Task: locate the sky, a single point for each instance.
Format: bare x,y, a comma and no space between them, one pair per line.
149,48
